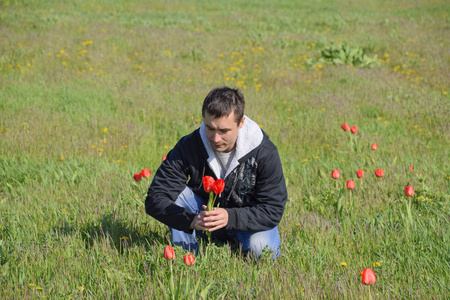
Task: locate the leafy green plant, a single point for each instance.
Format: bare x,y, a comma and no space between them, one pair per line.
343,53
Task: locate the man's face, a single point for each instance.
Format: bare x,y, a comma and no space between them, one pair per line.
222,132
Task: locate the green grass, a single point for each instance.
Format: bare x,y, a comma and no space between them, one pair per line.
92,92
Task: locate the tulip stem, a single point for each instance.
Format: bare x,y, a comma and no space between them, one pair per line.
171,286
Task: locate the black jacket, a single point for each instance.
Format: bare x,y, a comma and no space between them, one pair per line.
255,190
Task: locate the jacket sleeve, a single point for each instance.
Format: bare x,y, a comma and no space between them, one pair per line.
169,181
269,201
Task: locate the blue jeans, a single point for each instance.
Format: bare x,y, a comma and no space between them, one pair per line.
250,241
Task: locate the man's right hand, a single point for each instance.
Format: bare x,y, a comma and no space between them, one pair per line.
210,220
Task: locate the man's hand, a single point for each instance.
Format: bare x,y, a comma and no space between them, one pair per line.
210,220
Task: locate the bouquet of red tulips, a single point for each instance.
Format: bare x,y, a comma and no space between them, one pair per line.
214,188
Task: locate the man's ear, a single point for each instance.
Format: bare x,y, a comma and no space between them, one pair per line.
242,122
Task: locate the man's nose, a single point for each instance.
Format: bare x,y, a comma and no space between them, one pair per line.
216,137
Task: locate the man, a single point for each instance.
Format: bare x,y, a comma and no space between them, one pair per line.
230,146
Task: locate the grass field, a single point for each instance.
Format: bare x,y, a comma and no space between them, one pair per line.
91,92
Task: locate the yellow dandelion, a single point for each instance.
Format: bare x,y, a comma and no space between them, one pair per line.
32,284
305,160
81,288
166,147
420,198
62,51
316,157
343,263
100,149
323,108
39,288
62,158
93,146
124,238
105,130
343,159
379,118
24,124
429,199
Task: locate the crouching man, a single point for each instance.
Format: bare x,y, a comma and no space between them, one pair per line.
230,146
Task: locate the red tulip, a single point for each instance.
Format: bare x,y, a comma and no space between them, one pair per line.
360,174
146,173
169,253
374,146
137,176
219,185
164,157
354,129
345,127
208,183
411,168
379,173
409,191
335,174
368,276
189,260
350,184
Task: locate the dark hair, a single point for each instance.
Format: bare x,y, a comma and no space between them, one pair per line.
221,101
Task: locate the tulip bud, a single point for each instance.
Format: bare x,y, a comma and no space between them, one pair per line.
164,157
374,146
137,176
146,173
354,129
189,260
335,174
208,183
368,276
360,174
345,127
409,191
411,168
218,187
169,253
379,173
350,184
